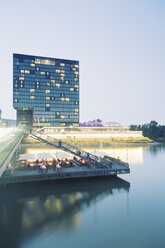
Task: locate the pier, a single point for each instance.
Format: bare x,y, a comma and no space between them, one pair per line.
90,165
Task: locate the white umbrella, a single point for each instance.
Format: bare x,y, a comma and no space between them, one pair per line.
27,156
45,155
98,153
62,155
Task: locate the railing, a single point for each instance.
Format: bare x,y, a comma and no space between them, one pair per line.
76,151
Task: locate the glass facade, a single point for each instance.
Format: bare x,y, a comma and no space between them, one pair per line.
46,90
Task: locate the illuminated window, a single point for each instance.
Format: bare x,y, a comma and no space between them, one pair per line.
37,83
62,71
76,110
15,85
57,113
74,69
76,86
53,81
76,66
22,71
75,124
47,84
47,91
32,97
62,124
62,95
76,103
66,82
67,99
32,90
62,79
52,98
62,99
62,75
47,98
75,79
21,78
58,85
44,62
57,71
47,105
77,89
47,73
37,69
76,72
32,65
62,64
16,100
62,116
42,73
71,89
27,71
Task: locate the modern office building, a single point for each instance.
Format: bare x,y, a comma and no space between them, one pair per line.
46,90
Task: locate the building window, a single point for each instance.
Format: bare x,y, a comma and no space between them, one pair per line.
67,99
62,64
76,86
71,89
47,105
62,124
47,98
42,73
32,97
76,66
76,110
67,82
16,100
32,65
57,71
62,116
53,81
21,78
27,71
47,84
47,91
32,90
58,85
62,99
22,71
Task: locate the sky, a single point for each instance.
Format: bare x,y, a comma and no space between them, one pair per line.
120,45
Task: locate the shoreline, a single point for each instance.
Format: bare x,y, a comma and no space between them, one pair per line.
97,145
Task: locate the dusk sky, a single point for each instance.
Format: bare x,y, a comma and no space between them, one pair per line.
120,45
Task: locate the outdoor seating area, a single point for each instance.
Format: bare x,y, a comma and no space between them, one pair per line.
56,163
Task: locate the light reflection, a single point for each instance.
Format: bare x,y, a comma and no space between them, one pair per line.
32,210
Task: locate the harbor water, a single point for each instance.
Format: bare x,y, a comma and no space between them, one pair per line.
123,212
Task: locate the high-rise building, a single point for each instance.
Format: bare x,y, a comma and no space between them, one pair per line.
46,90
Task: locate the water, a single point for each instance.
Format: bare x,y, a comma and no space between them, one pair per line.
92,213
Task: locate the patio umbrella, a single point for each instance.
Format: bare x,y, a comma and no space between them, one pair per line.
45,155
62,155
98,153
27,156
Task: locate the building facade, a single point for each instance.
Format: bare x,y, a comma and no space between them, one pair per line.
46,90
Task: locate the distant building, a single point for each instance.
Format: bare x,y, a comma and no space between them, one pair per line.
8,122
112,124
46,90
0,116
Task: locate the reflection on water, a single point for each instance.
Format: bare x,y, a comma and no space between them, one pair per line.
32,210
90,213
